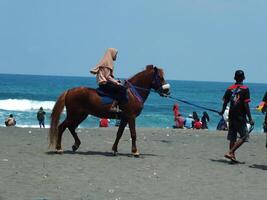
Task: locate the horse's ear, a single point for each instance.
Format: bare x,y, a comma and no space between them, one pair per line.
156,69
149,67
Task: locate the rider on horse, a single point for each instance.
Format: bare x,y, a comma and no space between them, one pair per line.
105,78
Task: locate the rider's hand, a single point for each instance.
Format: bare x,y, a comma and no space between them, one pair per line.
118,82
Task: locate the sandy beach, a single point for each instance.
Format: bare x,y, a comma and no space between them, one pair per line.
174,164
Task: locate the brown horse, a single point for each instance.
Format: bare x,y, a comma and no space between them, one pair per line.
82,101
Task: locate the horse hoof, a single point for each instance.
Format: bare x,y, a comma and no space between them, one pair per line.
59,151
115,153
136,154
74,148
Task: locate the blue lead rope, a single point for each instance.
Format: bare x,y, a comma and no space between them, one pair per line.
133,89
192,104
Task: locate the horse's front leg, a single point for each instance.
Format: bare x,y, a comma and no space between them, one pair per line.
123,123
135,151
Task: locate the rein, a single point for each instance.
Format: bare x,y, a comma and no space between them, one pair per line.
134,88
135,92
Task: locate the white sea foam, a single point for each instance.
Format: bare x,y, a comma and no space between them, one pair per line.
25,105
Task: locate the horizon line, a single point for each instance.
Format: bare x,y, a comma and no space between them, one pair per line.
80,76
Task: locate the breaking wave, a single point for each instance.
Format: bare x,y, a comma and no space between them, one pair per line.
25,105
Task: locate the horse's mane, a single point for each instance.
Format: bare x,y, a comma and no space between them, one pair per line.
147,69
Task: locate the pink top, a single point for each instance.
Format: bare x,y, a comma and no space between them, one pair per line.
175,110
104,74
104,69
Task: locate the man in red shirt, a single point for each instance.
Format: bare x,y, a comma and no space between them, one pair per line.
238,95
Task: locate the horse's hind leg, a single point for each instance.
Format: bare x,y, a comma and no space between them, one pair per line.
61,128
123,123
75,123
77,141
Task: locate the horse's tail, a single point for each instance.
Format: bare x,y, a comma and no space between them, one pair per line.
55,116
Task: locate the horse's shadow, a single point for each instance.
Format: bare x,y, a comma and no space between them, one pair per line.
99,153
226,161
220,161
255,166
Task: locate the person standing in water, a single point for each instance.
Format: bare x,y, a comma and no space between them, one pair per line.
10,121
239,97
41,117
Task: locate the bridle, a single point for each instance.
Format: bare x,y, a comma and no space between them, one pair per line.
156,83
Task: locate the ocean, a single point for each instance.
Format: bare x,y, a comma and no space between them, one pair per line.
23,95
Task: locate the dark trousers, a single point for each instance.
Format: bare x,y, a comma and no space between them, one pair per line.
118,92
237,126
265,124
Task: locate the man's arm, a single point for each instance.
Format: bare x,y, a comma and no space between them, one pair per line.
226,99
246,102
251,122
110,77
223,107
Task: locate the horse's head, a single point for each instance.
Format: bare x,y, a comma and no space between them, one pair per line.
158,82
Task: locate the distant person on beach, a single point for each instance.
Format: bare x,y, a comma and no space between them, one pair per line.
10,121
103,122
196,123
117,122
188,123
175,110
205,119
264,109
239,97
105,78
178,119
222,126
41,117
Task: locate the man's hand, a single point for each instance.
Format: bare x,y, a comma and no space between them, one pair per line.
251,122
221,113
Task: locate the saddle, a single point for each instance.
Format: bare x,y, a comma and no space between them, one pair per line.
106,98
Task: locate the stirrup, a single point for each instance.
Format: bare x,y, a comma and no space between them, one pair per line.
115,109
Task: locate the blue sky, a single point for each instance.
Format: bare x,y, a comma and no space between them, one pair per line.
190,39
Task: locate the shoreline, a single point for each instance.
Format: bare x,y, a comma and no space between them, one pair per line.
173,163
141,128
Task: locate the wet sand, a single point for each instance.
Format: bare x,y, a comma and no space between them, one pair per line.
174,164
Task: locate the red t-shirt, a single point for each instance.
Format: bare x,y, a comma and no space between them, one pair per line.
103,123
197,125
